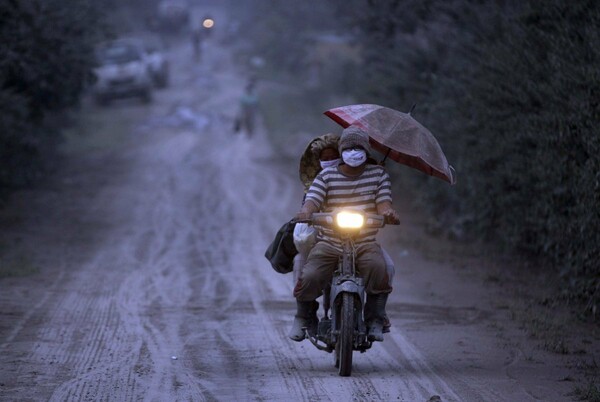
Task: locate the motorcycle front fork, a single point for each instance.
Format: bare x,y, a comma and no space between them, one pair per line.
328,337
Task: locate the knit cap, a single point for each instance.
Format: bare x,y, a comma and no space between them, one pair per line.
353,136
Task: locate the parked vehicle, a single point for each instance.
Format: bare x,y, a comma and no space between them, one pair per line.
344,331
121,72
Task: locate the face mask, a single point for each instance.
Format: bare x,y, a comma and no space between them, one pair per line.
331,163
354,157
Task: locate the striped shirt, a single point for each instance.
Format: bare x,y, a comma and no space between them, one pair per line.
332,189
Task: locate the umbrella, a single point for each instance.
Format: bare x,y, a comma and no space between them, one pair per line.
398,136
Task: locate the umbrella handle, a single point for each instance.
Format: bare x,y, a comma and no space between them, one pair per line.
453,173
382,163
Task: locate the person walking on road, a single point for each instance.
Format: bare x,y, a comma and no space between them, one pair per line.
248,110
197,42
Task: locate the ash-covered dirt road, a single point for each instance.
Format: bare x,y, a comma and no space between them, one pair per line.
153,286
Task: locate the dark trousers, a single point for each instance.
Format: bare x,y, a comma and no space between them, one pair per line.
322,262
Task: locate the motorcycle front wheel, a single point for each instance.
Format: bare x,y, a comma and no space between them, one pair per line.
345,341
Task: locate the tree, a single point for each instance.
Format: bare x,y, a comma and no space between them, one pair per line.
44,68
512,91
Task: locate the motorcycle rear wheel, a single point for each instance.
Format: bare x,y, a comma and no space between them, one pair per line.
345,340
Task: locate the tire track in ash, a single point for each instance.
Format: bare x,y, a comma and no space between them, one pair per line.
143,309
165,291
221,299
78,329
209,230
254,333
33,310
261,339
225,333
77,319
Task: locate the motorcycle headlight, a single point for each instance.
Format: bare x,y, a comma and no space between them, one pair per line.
350,220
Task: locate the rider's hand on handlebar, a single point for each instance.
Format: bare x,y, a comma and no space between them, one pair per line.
303,216
391,217
305,213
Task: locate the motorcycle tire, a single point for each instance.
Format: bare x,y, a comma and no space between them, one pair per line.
345,342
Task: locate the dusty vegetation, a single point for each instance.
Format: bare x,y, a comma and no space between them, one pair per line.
512,93
44,68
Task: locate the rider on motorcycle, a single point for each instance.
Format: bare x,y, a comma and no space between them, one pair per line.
320,153
361,185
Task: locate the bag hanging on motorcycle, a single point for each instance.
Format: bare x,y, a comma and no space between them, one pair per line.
281,251
304,238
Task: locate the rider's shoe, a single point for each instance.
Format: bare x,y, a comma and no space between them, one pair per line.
306,317
386,324
375,332
375,311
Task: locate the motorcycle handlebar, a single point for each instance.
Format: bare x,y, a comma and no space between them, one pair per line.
302,220
386,220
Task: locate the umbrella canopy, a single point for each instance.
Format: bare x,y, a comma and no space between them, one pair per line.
398,136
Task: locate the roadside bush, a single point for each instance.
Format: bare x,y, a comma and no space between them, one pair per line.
18,142
530,156
44,68
511,90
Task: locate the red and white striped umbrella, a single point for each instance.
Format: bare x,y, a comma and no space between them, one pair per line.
398,136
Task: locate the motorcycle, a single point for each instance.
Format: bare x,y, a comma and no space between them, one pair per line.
344,330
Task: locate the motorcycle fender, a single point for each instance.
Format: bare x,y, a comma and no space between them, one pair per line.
347,286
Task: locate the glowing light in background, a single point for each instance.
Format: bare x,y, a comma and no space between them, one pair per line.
208,23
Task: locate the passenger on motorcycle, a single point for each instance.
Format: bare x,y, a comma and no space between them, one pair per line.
361,185
320,153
